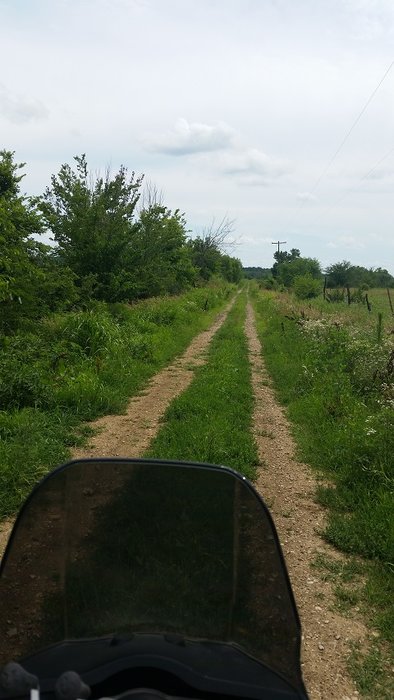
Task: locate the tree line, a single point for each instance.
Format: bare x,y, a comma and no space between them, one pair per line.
306,277
110,243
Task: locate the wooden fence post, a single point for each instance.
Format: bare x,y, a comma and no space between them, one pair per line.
390,302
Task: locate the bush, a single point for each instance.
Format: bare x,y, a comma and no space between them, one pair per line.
306,287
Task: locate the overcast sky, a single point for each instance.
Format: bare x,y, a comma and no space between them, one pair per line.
231,107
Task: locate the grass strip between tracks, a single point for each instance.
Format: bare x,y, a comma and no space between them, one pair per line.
211,420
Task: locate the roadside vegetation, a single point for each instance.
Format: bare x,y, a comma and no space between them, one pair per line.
86,321
114,241
81,365
333,367
211,420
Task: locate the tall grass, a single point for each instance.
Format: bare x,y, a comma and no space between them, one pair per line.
81,365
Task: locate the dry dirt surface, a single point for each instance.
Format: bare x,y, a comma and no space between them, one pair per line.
5,529
288,487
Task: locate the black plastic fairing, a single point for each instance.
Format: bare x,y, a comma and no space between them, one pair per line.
120,547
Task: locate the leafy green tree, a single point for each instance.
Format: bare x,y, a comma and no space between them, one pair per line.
281,257
380,278
288,266
160,257
339,274
288,271
19,221
231,269
344,274
205,257
93,224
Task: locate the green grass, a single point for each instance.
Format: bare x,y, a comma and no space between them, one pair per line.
211,420
334,374
75,367
372,672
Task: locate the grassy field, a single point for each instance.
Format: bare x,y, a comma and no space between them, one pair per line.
332,366
73,367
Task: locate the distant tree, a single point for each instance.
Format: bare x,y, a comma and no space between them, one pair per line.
339,274
282,256
289,270
344,274
210,249
53,285
231,269
380,278
205,257
256,272
288,266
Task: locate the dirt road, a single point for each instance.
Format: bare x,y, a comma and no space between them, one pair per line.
287,486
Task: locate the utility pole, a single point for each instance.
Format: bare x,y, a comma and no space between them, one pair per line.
279,243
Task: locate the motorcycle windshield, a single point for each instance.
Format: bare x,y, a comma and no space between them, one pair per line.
107,547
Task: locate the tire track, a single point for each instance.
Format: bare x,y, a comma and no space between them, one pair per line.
288,487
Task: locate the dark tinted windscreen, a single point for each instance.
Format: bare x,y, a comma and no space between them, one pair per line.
116,547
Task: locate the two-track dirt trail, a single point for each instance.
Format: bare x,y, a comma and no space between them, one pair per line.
288,487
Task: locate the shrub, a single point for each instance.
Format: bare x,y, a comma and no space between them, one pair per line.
306,287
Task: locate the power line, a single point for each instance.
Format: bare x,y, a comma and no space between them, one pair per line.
364,177
341,145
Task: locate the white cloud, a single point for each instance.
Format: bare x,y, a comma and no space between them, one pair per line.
192,137
306,197
253,167
18,109
219,147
